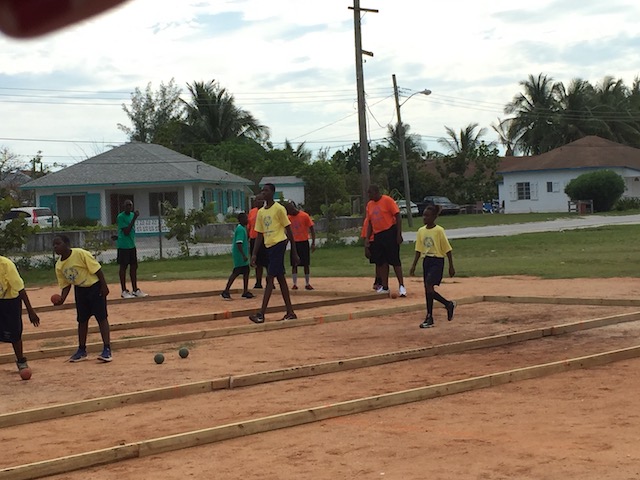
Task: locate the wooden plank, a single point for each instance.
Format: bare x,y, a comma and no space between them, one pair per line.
299,417
197,318
619,302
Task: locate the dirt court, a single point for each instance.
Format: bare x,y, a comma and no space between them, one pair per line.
582,424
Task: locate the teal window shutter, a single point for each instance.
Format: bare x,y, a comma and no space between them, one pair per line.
48,201
93,206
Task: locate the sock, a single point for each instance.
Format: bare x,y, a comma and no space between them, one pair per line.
306,279
294,277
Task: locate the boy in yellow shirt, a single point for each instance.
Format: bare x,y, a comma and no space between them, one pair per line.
432,245
79,268
12,296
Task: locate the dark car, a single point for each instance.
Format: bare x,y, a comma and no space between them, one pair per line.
447,207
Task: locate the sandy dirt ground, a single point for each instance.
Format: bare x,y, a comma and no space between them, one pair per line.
581,424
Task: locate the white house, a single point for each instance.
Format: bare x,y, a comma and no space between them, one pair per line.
537,183
147,174
289,188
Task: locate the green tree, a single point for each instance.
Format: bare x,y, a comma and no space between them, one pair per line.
604,187
323,186
155,116
182,225
468,171
242,156
15,232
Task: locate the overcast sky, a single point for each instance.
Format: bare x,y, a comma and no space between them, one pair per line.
291,63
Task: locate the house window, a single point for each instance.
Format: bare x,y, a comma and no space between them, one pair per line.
524,190
161,197
549,187
71,207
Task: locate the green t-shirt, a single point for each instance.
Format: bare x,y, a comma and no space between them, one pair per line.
240,236
125,241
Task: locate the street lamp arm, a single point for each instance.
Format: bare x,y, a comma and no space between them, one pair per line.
426,91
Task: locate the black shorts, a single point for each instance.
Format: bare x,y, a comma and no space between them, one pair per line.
10,320
385,248
90,302
262,259
372,253
276,259
432,270
304,253
127,256
243,270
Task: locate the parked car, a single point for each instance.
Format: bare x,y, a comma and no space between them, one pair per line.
447,207
34,216
402,205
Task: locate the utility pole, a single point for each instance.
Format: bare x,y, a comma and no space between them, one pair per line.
362,117
403,155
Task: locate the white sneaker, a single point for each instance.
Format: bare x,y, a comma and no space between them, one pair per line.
381,289
402,291
127,294
139,293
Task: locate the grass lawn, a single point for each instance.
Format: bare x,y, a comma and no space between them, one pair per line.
598,252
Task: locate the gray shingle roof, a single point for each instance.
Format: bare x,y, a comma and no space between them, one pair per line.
587,152
137,163
283,180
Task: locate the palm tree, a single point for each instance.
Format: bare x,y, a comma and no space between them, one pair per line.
464,144
532,124
502,129
213,117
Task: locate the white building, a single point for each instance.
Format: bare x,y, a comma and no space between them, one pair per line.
537,183
288,188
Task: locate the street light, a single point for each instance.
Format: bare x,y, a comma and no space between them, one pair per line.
403,153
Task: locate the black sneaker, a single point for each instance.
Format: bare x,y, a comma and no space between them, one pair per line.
428,322
248,295
290,316
226,295
257,285
451,306
257,317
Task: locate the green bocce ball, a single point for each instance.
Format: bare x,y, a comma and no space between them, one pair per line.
159,358
183,352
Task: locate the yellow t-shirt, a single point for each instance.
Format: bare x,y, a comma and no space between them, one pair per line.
432,242
79,269
271,222
10,281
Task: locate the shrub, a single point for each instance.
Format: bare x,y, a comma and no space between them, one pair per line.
604,187
627,203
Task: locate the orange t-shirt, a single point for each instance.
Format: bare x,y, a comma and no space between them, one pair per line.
252,215
365,226
382,213
300,225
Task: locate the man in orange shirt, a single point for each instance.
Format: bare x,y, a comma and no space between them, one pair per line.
301,226
385,223
261,260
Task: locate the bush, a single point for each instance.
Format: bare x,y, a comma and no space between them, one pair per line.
604,187
79,222
627,203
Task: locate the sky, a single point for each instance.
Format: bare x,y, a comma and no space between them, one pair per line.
291,63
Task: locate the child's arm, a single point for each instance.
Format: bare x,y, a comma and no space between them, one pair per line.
33,316
241,250
294,250
63,294
256,248
452,271
104,288
412,271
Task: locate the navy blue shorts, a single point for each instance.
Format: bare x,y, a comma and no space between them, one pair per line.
242,270
276,259
10,320
304,252
432,269
90,302
262,259
385,248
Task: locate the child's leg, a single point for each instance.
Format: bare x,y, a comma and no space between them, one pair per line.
83,330
232,278
17,348
105,332
440,298
429,291
267,294
284,288
294,274
245,281
307,276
